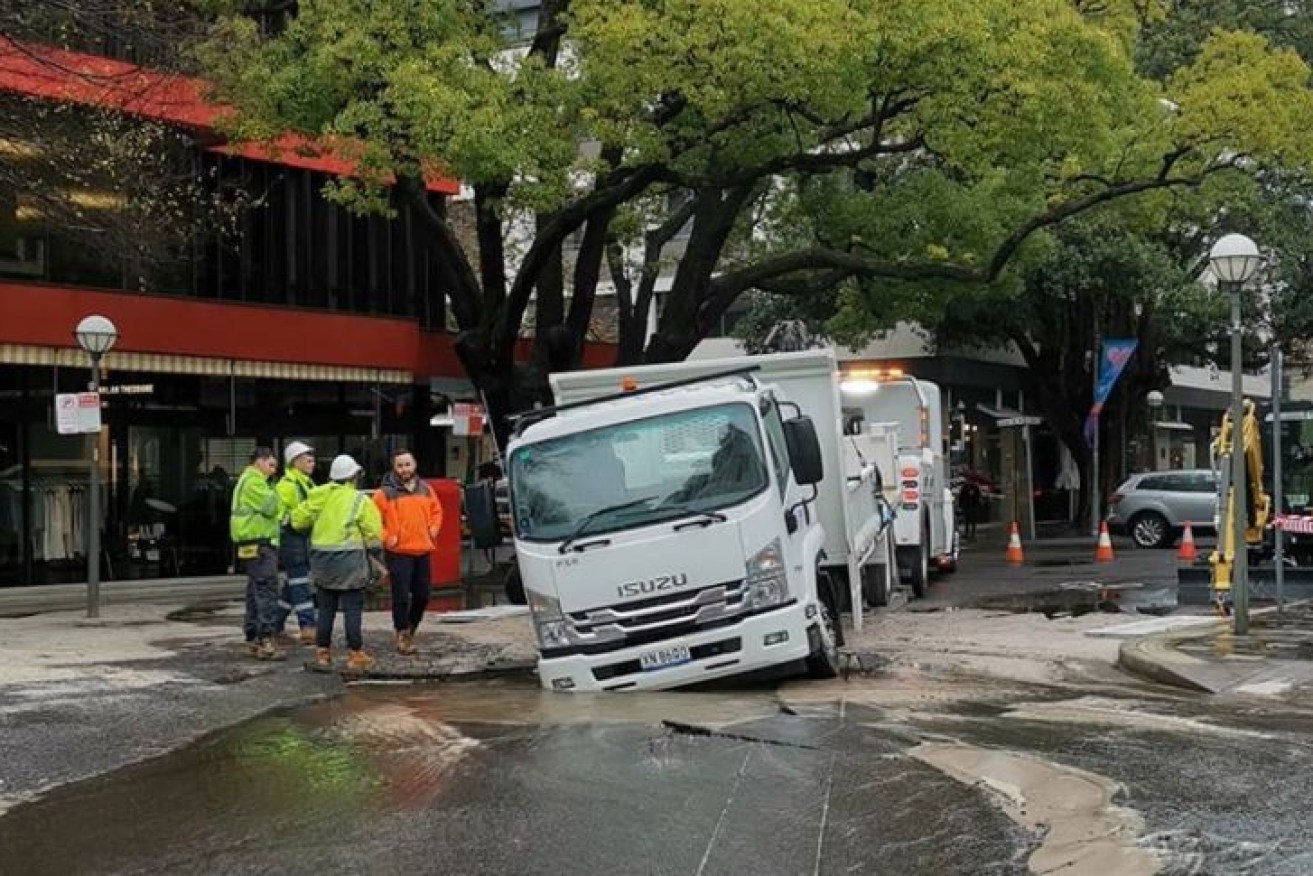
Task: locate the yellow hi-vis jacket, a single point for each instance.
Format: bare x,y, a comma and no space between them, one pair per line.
340,518
343,526
256,511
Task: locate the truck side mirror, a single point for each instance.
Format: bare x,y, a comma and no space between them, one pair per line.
804,450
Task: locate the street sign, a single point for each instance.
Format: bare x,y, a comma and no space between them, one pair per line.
77,413
466,419
1020,421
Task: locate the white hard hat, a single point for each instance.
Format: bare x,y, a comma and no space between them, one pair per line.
344,468
295,449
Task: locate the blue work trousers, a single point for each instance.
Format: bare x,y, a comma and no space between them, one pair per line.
261,594
294,555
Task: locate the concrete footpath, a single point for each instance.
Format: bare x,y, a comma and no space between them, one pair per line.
1274,660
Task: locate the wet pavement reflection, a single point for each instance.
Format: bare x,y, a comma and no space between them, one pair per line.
508,779
904,774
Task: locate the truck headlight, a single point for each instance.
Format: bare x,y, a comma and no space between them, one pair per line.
766,582
548,620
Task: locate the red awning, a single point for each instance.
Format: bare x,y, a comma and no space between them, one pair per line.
55,74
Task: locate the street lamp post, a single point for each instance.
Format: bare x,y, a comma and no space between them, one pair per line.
96,335
1235,260
1155,401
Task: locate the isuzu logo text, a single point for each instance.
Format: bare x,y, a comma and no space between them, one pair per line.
652,585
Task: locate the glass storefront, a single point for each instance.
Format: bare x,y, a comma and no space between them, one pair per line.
171,451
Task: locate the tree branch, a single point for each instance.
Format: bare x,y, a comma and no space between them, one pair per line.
453,263
587,273
551,29
852,264
621,186
488,199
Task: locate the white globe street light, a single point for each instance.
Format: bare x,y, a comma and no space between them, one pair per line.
1235,260
97,335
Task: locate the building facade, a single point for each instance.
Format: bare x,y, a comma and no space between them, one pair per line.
303,322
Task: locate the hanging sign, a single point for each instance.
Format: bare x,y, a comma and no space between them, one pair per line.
466,419
1116,353
77,413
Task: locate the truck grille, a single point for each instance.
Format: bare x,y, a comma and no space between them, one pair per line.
649,620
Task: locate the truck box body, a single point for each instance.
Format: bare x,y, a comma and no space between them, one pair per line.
808,379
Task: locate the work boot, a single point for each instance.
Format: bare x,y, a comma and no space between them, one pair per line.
267,650
308,635
405,643
324,658
253,649
359,661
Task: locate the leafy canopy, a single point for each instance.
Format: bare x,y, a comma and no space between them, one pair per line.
879,141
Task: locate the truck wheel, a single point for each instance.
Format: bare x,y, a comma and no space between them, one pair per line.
917,558
823,662
515,586
878,587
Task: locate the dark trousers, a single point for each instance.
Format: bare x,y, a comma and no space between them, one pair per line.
261,594
411,588
352,603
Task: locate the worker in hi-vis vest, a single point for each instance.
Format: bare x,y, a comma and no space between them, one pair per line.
254,528
345,530
294,547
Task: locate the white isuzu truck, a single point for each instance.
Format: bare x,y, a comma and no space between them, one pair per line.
925,531
680,523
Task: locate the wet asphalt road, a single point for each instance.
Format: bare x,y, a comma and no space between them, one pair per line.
426,783
501,778
505,779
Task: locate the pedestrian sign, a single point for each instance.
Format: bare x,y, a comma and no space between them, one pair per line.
77,413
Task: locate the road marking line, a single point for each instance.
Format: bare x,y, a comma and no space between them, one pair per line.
729,801
825,815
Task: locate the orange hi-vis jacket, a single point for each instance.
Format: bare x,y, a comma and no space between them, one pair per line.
411,519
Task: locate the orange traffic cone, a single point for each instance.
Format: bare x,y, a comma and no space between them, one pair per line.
1187,553
1015,556
1103,553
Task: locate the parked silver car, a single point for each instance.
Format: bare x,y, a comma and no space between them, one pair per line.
1154,506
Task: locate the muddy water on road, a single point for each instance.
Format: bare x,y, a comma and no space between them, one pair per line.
508,779
890,776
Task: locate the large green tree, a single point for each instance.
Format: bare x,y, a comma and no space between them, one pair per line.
1130,272
793,145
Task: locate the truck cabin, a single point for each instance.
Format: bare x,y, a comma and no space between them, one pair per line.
886,395
626,463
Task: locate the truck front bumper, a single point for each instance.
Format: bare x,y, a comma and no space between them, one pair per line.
714,653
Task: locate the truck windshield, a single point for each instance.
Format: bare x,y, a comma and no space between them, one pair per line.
680,463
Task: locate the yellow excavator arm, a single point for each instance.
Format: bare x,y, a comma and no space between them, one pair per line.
1259,506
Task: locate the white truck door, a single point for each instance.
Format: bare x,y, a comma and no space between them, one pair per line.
779,459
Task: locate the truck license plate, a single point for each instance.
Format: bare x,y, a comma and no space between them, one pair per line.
664,657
